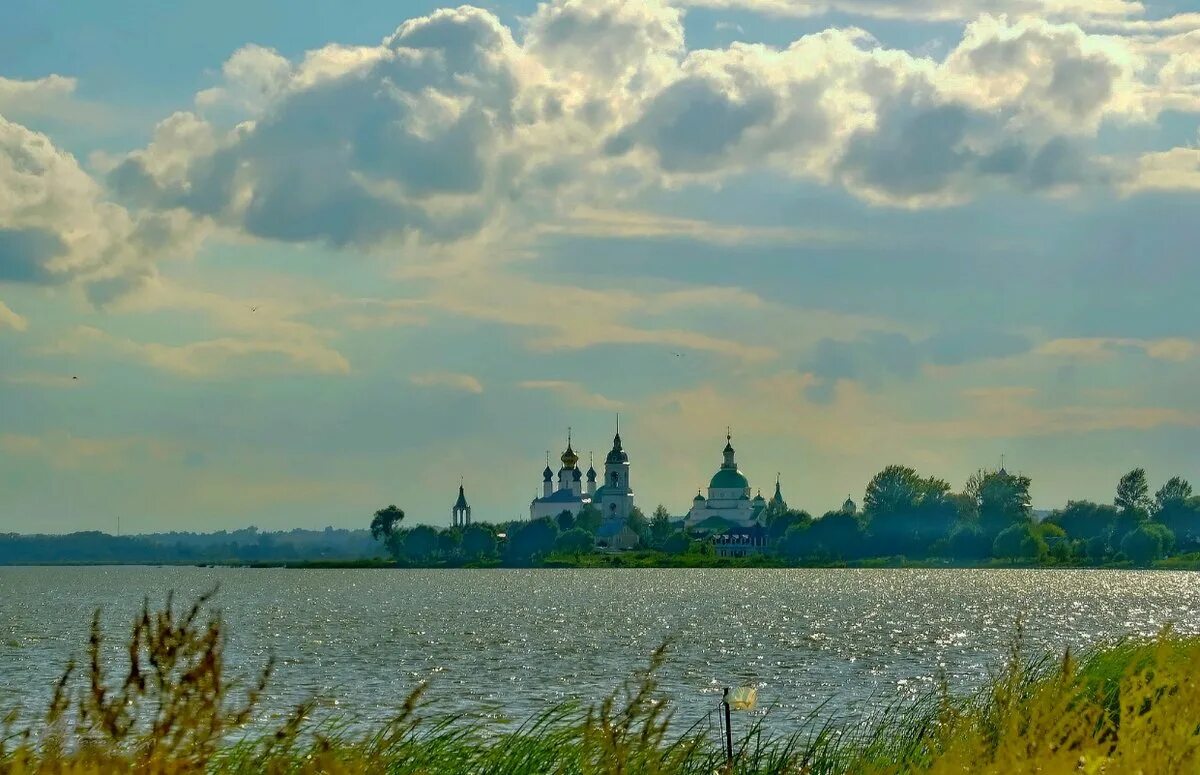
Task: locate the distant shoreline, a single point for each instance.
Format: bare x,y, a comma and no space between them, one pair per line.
619,561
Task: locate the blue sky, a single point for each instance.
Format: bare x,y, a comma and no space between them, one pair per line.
283,265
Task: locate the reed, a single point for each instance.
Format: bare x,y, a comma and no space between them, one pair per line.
1133,706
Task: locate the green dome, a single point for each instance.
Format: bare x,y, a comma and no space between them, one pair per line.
728,479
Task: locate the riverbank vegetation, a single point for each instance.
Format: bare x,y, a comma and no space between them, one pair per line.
906,520
1133,706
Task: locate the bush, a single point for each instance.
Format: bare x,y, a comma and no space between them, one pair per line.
1148,542
676,543
1097,548
478,542
969,542
1019,541
574,541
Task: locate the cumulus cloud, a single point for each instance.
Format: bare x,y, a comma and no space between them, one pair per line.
57,226
410,139
880,355
34,97
1015,103
448,380
451,127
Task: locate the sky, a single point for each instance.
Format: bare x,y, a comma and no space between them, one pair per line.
281,264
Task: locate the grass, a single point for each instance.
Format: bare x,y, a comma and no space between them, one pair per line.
1132,707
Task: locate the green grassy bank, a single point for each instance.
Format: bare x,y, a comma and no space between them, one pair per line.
1131,707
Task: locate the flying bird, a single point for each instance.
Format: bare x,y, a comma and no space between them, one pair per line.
254,309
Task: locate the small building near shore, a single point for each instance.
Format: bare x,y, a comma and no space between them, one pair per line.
741,541
617,535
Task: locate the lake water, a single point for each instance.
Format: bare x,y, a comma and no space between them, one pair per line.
515,640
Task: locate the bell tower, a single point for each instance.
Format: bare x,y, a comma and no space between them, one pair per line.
616,501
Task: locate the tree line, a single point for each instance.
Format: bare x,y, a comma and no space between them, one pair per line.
521,542
903,514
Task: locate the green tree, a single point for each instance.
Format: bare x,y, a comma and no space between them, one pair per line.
905,513
1003,501
1133,493
968,542
795,544
893,490
660,525
574,541
565,520
589,518
1179,510
1097,548
478,542
639,524
1174,493
784,521
420,543
529,541
450,542
1148,542
1084,519
1019,541
676,543
836,534
385,522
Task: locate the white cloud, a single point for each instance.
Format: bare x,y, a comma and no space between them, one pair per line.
10,319
572,394
625,224
448,380
942,11
34,97
1177,349
450,128
56,225
221,357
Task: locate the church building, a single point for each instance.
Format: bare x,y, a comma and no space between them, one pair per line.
613,498
729,502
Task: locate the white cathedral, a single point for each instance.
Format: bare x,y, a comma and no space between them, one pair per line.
613,498
729,497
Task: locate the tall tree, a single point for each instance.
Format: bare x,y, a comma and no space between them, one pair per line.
893,490
1173,494
660,524
1003,501
589,518
1133,493
1179,510
385,522
906,513
639,524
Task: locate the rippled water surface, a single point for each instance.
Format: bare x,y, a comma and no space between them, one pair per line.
516,639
